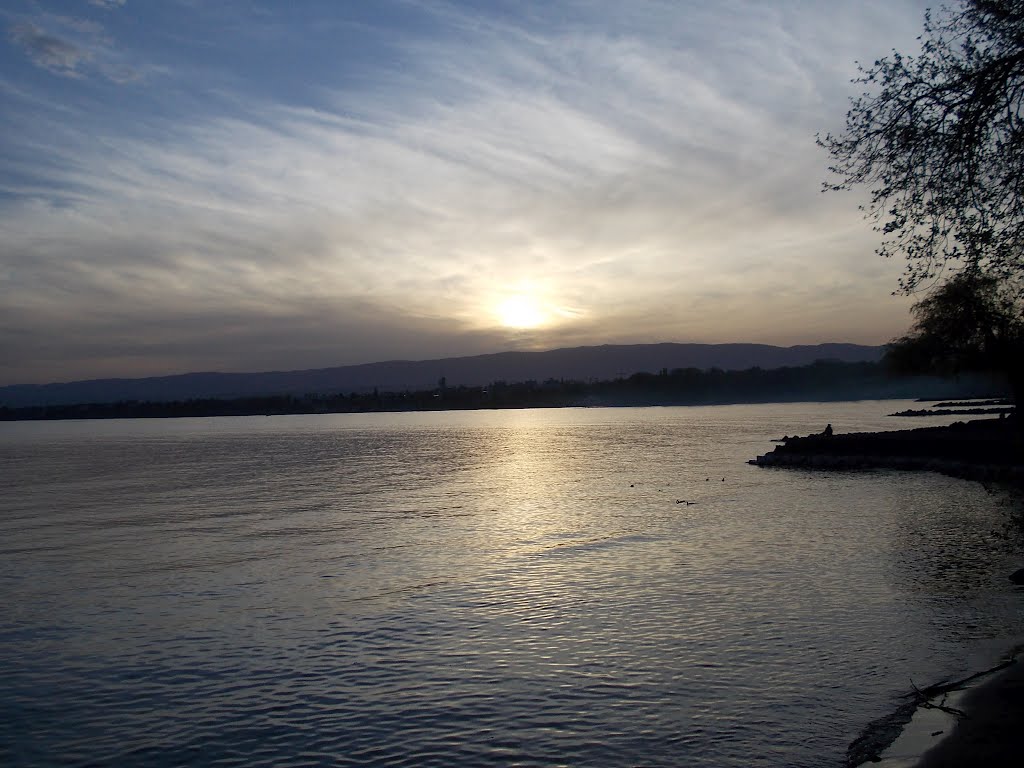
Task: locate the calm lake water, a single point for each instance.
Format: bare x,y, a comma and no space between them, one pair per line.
478,588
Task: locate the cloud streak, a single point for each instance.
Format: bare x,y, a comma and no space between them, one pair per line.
71,47
654,182
55,54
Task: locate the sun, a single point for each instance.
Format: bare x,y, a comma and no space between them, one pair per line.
521,311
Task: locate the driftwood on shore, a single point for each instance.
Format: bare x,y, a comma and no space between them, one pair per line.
880,733
987,450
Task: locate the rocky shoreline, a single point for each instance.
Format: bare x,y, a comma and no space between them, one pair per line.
954,411
988,450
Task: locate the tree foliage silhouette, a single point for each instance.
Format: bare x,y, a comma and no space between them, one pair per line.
938,140
972,322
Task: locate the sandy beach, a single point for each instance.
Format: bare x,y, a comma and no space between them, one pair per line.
992,733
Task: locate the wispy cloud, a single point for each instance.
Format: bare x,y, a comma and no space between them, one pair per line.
70,47
654,182
60,56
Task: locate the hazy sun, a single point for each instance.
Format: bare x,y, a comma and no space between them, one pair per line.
521,312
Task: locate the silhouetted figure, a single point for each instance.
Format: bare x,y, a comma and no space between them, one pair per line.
828,430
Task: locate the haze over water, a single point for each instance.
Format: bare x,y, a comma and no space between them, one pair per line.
477,588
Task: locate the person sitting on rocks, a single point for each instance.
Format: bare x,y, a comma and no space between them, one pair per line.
828,430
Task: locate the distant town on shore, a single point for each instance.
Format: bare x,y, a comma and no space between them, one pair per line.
823,380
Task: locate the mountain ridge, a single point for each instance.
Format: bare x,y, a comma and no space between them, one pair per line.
585,363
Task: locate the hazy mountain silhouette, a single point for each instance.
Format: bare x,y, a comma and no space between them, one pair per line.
578,363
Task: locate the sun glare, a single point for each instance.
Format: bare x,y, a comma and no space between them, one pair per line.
521,312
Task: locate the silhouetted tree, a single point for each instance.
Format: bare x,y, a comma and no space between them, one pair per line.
938,140
972,322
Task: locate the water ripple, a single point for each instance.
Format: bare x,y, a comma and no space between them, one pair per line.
515,588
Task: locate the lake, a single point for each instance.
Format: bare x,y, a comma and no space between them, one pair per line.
479,588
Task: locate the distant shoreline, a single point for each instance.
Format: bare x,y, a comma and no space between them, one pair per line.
228,408
822,381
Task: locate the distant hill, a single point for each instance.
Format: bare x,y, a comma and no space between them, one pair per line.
578,363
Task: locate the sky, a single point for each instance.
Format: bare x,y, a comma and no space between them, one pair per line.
235,185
